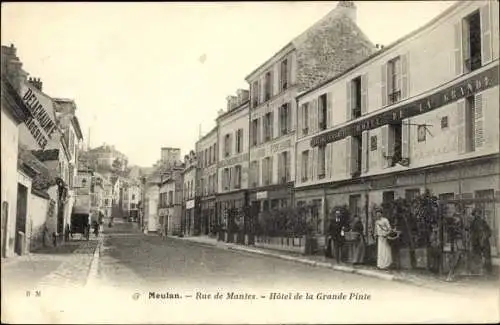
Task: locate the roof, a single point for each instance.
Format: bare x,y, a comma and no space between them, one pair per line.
14,103
383,50
234,110
45,177
40,193
46,155
214,129
77,127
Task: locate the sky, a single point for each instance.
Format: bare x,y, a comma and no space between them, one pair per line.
150,75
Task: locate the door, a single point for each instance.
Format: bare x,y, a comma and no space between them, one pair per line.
22,205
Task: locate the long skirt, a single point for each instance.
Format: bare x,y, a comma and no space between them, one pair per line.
359,251
384,254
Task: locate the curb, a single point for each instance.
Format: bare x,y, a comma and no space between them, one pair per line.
92,275
340,268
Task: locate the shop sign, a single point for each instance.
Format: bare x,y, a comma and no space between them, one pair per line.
233,160
190,204
261,195
40,124
470,86
271,149
281,145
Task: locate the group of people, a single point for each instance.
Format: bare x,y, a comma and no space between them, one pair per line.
338,226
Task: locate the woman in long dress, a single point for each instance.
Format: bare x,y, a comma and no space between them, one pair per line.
382,230
359,243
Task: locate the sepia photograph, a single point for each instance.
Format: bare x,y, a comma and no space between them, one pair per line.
261,162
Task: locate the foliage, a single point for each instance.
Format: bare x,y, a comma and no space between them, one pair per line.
288,222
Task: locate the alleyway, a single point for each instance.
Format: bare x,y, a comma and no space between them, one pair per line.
134,264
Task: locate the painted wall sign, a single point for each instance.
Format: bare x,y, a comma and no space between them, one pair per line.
40,124
470,86
270,149
261,195
281,145
233,160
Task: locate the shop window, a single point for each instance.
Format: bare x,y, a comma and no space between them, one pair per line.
485,201
322,112
275,204
355,205
305,166
388,197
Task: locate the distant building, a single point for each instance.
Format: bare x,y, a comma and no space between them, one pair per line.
170,205
170,155
191,217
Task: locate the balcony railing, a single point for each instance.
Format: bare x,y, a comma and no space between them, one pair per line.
473,63
395,96
356,112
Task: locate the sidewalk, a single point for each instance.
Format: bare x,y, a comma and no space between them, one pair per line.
63,266
465,286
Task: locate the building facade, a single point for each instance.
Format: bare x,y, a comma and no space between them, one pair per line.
206,150
191,216
233,153
170,209
327,48
419,114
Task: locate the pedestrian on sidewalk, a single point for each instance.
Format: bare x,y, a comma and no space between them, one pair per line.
480,233
336,231
359,240
382,231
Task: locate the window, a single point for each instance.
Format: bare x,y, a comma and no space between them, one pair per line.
470,135
267,170
254,173
214,160
268,86
227,145
305,118
355,205
171,197
444,122
322,112
305,165
255,94
237,176
239,141
255,132
373,143
284,74
225,179
394,80
356,97
472,41
284,167
285,116
392,143
206,157
321,161
485,200
412,193
356,155
268,126
133,196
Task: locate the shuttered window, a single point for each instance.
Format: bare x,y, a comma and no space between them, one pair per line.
305,166
321,161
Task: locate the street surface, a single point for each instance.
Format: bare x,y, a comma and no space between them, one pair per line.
134,267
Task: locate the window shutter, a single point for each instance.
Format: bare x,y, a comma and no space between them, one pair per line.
280,166
299,173
264,171
329,109
313,158
300,120
242,140
348,100
405,139
479,121
272,126
461,126
348,155
384,145
328,160
289,71
364,94
365,145
495,29
259,131
486,54
383,83
287,165
257,173
405,90
457,52
271,82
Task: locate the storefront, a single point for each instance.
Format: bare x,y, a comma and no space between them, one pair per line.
208,216
190,217
225,203
271,197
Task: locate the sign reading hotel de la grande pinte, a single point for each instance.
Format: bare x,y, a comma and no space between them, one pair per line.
271,149
462,89
40,123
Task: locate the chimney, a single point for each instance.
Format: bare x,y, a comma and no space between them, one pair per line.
347,8
36,82
242,95
231,102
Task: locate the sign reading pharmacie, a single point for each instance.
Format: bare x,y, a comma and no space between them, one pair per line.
462,89
41,124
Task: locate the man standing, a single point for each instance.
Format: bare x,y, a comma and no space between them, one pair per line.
480,233
336,234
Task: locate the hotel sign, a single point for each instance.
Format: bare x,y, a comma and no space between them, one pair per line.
470,86
190,204
234,160
40,124
270,149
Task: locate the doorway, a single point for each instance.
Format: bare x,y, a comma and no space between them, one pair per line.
22,206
